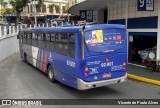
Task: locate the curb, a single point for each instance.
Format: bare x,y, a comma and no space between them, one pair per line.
143,79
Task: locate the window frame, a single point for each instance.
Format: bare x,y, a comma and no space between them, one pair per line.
35,40
74,34
29,34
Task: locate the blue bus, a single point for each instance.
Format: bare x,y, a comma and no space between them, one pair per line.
82,57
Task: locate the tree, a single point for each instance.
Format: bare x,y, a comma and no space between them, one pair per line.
6,8
3,7
18,6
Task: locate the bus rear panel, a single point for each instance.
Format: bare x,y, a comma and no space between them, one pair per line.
105,58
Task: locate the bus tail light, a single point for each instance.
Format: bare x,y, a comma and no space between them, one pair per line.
124,63
124,68
85,73
118,37
107,59
86,69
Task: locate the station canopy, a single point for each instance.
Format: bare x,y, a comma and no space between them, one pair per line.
90,5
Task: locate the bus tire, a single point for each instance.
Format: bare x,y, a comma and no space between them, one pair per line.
51,75
25,57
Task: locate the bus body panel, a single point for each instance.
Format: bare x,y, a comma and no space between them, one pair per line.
100,69
66,79
64,65
109,64
70,71
35,56
65,73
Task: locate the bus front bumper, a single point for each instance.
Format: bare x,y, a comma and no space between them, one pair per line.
82,85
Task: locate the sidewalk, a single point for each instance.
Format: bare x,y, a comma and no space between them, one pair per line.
142,74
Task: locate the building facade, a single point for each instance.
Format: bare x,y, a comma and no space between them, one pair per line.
47,9
71,3
141,17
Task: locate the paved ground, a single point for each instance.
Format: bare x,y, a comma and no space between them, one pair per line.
143,72
19,80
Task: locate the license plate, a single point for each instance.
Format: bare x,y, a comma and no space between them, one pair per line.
106,75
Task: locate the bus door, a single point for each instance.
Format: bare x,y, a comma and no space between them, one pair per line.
105,54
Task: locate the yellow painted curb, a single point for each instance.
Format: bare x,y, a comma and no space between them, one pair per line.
151,81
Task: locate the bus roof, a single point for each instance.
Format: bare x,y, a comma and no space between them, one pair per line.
73,29
104,26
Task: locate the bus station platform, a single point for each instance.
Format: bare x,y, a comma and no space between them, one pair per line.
140,73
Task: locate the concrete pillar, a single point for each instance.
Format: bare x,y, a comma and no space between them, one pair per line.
130,47
47,25
30,26
100,16
108,13
21,26
126,19
42,25
0,31
158,32
14,31
39,25
17,29
10,30
5,31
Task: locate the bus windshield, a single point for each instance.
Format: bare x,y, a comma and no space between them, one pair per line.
107,40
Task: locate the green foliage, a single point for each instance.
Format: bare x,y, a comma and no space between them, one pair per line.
18,5
8,11
39,4
4,5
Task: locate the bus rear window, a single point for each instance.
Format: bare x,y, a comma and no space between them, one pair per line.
105,40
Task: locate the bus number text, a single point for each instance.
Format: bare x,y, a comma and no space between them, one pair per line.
106,64
70,63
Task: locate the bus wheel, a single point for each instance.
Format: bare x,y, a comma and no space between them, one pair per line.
51,74
25,57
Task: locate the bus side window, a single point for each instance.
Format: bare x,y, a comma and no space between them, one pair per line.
29,38
34,39
24,38
53,40
64,40
58,43
62,44
41,42
72,45
48,39
49,44
20,37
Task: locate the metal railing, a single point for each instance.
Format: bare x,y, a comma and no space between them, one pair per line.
8,30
